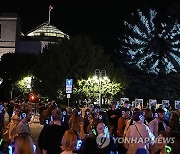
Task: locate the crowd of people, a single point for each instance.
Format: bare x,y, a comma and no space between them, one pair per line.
88,129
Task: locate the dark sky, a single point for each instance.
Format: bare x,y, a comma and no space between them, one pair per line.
99,19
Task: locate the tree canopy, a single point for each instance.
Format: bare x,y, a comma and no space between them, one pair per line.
75,58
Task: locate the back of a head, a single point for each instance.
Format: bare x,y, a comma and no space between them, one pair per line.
123,111
174,120
69,110
148,113
69,140
24,144
57,114
160,110
174,115
136,109
75,112
136,115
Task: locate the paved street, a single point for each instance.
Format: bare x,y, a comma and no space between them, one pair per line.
35,130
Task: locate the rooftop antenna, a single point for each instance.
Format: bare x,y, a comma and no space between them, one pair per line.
50,8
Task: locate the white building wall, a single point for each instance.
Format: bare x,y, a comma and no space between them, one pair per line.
9,33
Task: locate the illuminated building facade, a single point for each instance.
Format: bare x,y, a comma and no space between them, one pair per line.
10,30
12,40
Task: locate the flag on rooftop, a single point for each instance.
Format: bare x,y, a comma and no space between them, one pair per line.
50,7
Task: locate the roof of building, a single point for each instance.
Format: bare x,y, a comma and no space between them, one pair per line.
9,16
45,30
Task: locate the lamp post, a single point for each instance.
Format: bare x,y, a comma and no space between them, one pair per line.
100,75
1,81
28,82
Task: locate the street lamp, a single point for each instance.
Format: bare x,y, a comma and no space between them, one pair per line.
100,75
28,82
1,81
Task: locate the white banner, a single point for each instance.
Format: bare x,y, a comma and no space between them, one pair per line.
152,102
165,103
138,103
124,99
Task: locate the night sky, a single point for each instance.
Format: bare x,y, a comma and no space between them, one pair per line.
99,19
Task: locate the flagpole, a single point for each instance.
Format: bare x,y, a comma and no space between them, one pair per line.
49,14
50,8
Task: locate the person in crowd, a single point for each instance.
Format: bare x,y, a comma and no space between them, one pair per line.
93,145
120,129
41,106
125,105
83,110
92,124
174,122
1,137
2,114
65,119
86,121
10,109
122,122
91,107
103,117
136,131
129,122
148,115
129,119
69,112
11,128
112,115
69,142
161,143
40,138
103,130
153,109
140,106
158,124
75,120
166,147
166,115
46,114
16,105
48,121
23,144
23,104
90,129
96,111
79,112
23,126
175,145
52,135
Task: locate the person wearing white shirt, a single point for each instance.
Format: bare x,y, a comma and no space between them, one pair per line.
157,125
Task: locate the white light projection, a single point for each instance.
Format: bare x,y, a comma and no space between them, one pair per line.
152,50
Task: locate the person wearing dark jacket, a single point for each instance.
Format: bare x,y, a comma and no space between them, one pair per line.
52,135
